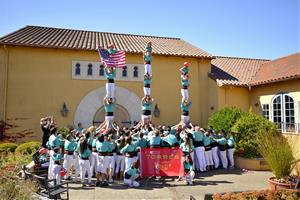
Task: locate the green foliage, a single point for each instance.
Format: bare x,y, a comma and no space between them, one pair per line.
248,127
28,147
225,118
278,153
11,186
8,147
64,131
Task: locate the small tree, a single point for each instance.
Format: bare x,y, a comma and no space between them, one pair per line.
248,127
225,118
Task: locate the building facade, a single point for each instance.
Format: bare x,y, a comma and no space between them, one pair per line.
50,71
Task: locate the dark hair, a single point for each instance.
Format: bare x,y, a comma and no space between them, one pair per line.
141,134
188,142
149,129
101,138
128,140
83,146
189,159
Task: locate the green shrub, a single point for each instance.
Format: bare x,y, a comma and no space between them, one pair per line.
8,147
278,153
28,147
225,118
64,131
247,128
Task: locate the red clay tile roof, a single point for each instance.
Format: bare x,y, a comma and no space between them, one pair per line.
234,71
37,36
284,68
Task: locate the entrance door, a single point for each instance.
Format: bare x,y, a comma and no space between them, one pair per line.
122,117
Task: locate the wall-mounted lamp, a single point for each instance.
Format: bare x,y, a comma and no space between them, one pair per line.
256,104
212,107
156,111
64,110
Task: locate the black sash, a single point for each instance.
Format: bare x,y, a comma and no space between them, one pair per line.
146,112
110,80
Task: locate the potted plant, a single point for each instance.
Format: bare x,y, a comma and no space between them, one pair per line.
278,153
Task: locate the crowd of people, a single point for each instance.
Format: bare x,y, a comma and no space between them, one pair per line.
113,153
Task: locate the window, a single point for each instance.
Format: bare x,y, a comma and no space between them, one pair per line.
101,70
265,111
284,112
135,72
124,72
90,70
77,69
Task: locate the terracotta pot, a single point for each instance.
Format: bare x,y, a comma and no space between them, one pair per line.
274,185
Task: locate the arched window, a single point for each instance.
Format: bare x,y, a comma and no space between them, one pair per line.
135,72
77,69
284,112
90,70
124,71
101,70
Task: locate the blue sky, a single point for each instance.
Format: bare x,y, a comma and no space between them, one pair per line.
242,28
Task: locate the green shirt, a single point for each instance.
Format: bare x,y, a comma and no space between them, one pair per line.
54,141
170,139
56,157
103,146
185,107
142,143
230,141
85,154
70,145
187,166
206,141
185,82
148,49
112,51
109,107
131,171
110,75
154,140
221,141
184,70
129,148
147,81
147,58
185,147
198,136
146,106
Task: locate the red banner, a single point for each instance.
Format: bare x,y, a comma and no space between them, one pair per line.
161,161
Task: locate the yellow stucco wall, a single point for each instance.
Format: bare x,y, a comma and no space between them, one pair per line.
39,81
3,62
264,94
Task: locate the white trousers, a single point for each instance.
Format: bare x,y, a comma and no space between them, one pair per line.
110,118
56,173
185,119
110,90
76,164
103,162
131,182
201,158
51,163
85,167
93,162
189,177
185,94
68,162
146,119
223,157
230,157
147,91
148,69
111,163
128,162
208,158
215,156
120,163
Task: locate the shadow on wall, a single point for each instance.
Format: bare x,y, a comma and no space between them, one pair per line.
12,137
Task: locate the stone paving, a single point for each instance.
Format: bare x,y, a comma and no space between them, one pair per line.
168,188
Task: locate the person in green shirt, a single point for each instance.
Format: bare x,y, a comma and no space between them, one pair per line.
130,151
188,169
120,158
131,175
147,84
185,107
148,58
146,109
109,107
207,152
56,168
84,162
222,145
230,149
184,87
185,69
69,146
103,147
110,74
111,49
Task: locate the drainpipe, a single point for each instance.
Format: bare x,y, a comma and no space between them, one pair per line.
5,81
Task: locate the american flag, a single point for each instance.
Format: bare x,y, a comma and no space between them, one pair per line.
116,60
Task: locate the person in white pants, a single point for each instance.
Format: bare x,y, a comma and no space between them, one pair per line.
120,159
147,84
199,148
110,73
184,87
215,150
131,175
130,152
230,150
84,162
207,151
56,168
188,169
222,147
146,109
94,157
69,158
148,58
109,107
185,107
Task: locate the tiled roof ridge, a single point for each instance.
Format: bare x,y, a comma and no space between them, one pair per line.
232,57
88,31
196,47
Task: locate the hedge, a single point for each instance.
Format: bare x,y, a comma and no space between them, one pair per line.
28,147
8,147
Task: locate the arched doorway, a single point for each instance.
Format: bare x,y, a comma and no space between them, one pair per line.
91,103
121,116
